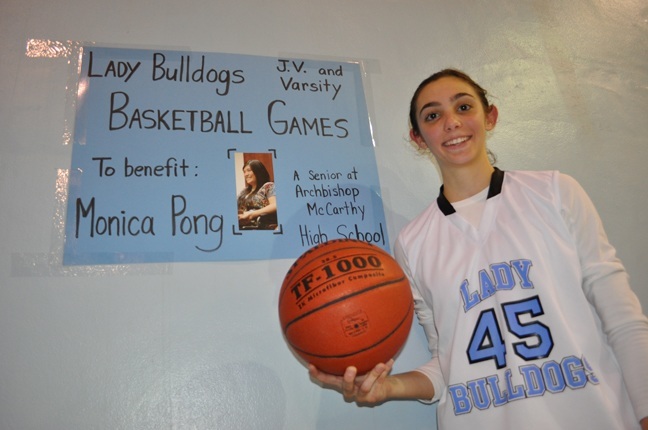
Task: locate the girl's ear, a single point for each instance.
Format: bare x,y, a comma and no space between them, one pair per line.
418,139
491,118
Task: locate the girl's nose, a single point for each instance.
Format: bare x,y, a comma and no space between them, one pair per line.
452,122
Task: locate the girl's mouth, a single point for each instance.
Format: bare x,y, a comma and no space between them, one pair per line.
456,141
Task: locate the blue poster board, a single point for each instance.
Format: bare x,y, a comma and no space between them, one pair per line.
161,139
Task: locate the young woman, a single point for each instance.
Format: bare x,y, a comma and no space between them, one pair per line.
528,312
257,202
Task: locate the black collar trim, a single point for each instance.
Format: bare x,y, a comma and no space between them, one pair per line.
495,187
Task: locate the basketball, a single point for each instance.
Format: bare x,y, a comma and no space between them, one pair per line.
345,303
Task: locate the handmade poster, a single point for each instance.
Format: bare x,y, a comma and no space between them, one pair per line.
190,156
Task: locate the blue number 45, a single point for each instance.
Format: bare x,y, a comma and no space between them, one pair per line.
487,342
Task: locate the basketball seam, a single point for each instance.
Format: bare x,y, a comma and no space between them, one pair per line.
337,278
340,299
367,348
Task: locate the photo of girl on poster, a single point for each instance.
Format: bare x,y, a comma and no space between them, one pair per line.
257,202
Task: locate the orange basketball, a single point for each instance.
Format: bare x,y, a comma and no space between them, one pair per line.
345,303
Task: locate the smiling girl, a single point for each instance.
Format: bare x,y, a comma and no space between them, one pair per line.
528,312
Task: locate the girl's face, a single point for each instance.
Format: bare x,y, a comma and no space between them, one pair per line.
249,176
453,123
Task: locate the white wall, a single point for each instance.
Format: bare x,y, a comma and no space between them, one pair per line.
197,346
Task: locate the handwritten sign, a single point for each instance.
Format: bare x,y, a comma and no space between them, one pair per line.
162,140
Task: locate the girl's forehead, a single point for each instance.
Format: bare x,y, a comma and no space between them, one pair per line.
446,88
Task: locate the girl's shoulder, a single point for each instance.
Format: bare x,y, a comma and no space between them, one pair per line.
268,186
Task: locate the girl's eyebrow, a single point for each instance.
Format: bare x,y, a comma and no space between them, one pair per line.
452,99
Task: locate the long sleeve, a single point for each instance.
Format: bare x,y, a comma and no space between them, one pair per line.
606,286
431,369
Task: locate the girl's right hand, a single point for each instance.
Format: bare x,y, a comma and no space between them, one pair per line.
369,389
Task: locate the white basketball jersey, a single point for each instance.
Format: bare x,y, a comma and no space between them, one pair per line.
519,345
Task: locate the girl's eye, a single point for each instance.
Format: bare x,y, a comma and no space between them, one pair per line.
431,116
465,107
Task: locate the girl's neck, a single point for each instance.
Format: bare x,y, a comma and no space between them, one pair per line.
466,181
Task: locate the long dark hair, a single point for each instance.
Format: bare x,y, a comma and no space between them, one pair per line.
260,172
